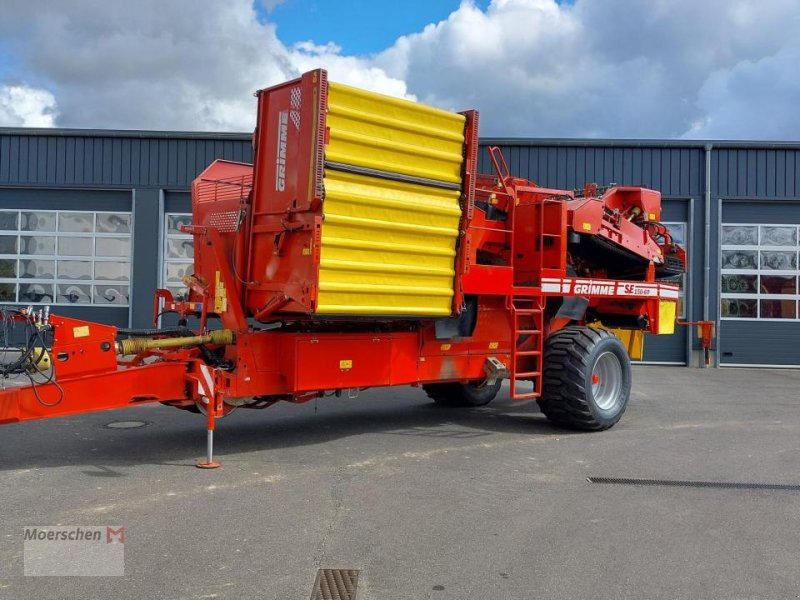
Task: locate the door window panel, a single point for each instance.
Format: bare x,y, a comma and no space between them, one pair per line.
178,254
9,221
760,269
38,221
777,284
75,246
49,256
678,233
778,309
111,294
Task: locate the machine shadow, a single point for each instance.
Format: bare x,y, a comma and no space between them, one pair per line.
178,439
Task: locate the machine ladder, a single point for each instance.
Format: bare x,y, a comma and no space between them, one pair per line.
527,311
524,303
527,346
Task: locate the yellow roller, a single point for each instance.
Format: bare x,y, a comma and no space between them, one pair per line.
388,247
379,132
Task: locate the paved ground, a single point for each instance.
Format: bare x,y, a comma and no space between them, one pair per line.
426,502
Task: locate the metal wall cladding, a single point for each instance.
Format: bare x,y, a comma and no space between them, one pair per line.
673,171
738,169
144,159
388,247
379,132
108,158
755,172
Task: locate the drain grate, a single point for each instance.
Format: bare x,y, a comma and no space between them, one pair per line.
335,584
725,485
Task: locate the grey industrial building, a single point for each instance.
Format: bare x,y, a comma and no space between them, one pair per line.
89,222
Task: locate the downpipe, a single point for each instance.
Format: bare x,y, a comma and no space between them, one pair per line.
707,241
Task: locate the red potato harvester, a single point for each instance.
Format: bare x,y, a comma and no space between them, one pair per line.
362,249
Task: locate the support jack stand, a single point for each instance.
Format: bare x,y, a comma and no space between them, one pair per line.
210,463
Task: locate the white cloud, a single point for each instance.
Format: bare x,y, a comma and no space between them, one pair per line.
752,100
182,64
610,68
269,5
605,68
350,70
24,106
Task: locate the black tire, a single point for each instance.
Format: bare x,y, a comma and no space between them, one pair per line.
572,396
461,394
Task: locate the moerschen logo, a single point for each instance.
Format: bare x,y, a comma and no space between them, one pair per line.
93,551
280,160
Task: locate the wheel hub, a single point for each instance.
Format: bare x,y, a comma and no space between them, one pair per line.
606,380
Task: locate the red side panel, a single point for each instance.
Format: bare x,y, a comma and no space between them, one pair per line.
287,194
220,202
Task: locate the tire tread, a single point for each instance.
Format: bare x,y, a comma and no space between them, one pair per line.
460,394
563,400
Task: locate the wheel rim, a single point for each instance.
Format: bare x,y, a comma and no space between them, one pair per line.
606,380
226,409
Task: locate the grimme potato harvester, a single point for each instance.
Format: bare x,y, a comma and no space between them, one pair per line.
362,249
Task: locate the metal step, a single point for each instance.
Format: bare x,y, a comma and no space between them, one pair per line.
526,374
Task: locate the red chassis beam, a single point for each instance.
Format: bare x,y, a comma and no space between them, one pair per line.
131,386
88,377
275,364
289,365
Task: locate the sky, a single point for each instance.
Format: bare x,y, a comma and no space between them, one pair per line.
691,69
353,25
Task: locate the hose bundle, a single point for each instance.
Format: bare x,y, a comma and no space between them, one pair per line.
29,360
